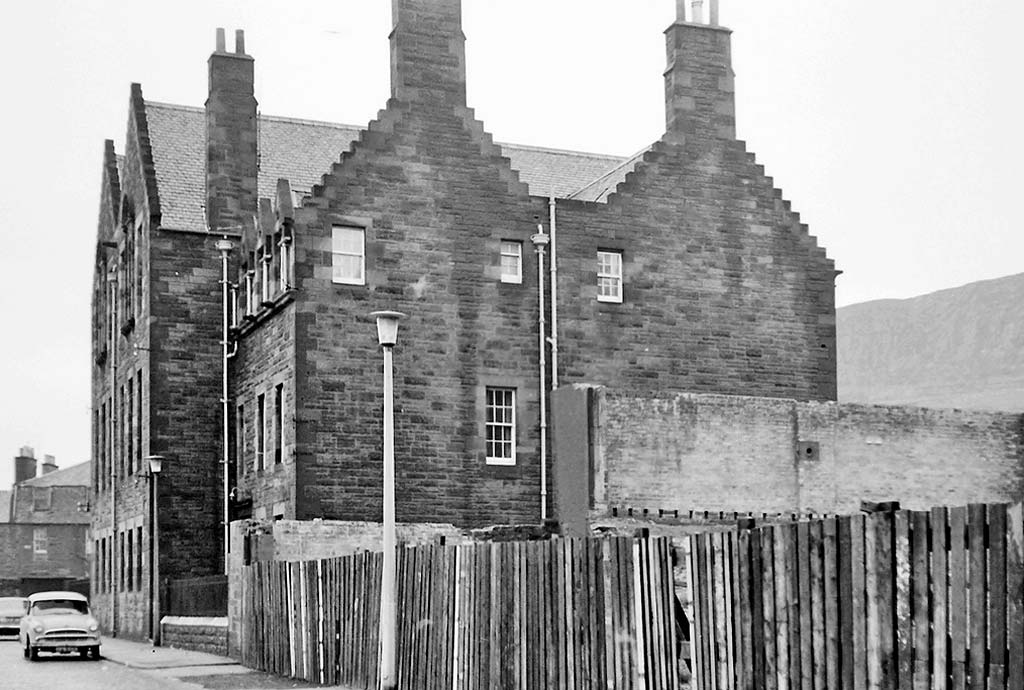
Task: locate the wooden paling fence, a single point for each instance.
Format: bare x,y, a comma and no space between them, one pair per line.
905,599
564,613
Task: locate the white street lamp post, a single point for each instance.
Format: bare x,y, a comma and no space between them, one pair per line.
155,465
387,335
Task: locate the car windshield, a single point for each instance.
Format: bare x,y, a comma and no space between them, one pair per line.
12,606
50,607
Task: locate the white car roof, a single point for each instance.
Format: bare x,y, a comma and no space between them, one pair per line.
49,596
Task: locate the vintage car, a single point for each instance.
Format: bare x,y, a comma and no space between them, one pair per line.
11,611
59,622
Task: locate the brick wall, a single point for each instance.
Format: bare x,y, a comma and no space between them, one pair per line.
709,452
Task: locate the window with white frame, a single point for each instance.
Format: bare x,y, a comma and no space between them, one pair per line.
609,276
39,541
511,261
348,256
500,426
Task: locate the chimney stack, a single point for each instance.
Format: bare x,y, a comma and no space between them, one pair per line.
700,105
231,137
25,464
49,464
428,52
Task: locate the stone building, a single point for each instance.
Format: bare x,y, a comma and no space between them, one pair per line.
680,267
44,531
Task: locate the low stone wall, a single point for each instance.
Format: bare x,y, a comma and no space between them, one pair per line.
199,634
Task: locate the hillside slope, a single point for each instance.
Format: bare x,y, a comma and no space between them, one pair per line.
961,347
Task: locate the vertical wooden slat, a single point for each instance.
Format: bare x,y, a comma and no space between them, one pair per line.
744,595
998,662
757,622
712,613
1015,595
922,623
728,621
793,604
770,630
816,552
830,577
884,572
783,574
858,612
939,591
958,596
806,631
977,609
904,619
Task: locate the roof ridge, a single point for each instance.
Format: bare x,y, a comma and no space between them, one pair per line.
569,152
342,125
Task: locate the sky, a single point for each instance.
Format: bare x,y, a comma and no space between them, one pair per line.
895,131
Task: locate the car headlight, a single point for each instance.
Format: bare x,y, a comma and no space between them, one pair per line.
93,627
38,628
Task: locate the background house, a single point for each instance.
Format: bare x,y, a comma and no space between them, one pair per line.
44,533
680,267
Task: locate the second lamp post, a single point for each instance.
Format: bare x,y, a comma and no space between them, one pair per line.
387,335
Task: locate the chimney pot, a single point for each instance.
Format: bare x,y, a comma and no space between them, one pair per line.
698,11
714,13
49,464
681,10
221,43
240,42
27,452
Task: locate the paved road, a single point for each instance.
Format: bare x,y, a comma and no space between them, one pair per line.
53,672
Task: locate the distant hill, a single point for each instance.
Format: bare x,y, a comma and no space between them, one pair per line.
962,347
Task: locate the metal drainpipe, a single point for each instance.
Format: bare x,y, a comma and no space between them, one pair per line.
553,338
112,457
539,241
224,246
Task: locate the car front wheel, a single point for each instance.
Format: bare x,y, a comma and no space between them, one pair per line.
33,653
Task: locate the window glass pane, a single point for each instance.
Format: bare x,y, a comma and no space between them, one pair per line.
348,267
348,241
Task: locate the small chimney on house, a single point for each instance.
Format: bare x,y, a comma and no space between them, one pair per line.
231,137
49,464
24,464
428,52
700,105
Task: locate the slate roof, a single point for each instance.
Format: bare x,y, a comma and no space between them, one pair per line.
75,475
599,189
304,150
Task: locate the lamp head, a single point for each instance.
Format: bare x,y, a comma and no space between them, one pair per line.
155,463
225,245
387,326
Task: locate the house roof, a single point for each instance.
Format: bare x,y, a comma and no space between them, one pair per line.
75,475
304,150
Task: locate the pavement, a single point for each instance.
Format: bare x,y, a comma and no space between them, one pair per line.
193,668
143,655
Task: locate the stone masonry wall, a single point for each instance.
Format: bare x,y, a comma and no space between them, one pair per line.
186,379
724,291
264,360
208,635
708,452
